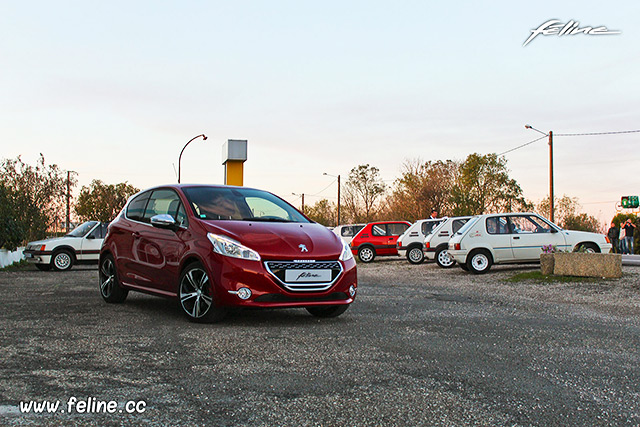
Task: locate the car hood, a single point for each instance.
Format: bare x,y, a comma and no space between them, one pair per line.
48,241
281,241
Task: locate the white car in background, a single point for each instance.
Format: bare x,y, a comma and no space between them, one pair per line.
515,238
436,244
347,231
411,243
82,245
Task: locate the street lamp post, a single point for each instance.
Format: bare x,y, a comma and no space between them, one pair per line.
334,176
551,196
204,138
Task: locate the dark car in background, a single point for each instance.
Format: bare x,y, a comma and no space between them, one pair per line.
217,247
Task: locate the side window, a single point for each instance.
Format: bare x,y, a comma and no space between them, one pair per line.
162,202
428,226
346,231
497,225
379,230
457,224
396,229
100,231
526,224
135,210
181,216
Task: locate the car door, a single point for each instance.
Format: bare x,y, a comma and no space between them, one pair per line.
159,250
126,235
394,231
379,238
498,237
529,234
91,243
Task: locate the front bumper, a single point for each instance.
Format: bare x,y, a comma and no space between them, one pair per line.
37,257
267,291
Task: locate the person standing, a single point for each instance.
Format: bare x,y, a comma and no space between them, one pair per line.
613,234
434,214
628,234
621,240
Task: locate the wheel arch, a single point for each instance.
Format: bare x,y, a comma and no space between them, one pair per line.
587,243
67,248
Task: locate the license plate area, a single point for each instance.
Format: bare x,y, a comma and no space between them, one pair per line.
307,276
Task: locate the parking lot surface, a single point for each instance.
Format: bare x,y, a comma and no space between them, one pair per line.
420,346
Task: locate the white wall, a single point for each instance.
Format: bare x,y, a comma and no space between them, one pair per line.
8,257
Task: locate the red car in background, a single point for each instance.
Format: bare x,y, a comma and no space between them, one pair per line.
216,247
378,239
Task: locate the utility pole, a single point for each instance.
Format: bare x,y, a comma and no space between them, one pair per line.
551,197
551,209
68,199
338,223
302,202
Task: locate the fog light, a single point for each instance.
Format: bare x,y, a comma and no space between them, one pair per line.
242,293
352,291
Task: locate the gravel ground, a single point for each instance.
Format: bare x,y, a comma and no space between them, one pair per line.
420,346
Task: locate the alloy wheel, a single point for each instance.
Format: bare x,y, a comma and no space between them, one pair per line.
195,294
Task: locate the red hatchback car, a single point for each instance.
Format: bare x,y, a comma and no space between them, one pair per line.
217,247
378,239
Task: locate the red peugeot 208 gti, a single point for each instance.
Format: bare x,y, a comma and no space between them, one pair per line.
217,247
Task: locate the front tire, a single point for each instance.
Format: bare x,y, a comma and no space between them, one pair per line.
590,248
62,260
110,288
328,310
479,261
415,255
196,295
366,254
443,259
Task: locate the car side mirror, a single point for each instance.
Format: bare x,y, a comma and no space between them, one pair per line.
165,221
553,230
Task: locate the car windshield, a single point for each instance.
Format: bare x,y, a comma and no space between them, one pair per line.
240,204
82,229
468,225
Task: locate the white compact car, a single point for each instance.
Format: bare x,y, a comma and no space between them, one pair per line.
515,238
82,245
436,244
411,242
347,231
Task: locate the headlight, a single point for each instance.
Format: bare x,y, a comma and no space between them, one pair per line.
228,247
346,252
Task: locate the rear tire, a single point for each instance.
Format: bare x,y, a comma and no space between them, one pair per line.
196,295
464,267
43,267
62,260
328,310
415,255
443,259
366,254
479,261
110,288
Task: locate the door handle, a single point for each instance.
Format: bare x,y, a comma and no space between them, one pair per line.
136,235
516,238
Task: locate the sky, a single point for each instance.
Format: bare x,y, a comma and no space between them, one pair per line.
113,90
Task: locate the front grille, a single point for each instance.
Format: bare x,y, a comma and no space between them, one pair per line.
278,269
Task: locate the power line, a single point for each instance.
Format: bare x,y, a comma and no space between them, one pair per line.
571,134
597,133
319,192
523,145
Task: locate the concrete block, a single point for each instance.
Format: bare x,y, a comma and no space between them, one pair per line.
587,265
